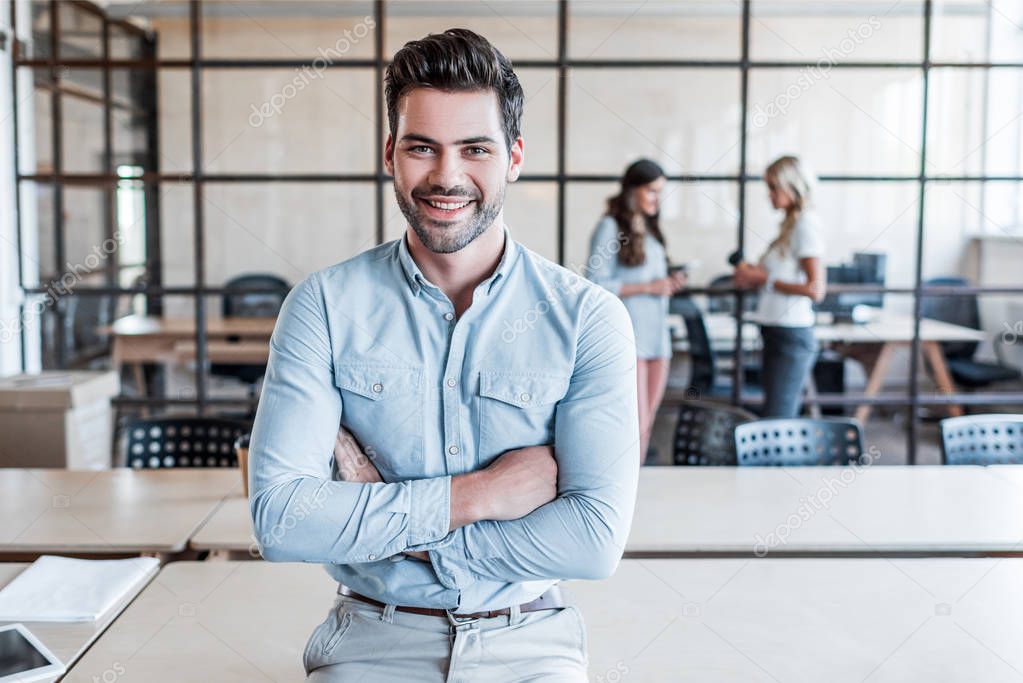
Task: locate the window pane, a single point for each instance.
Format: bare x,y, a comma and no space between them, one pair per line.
174,91
526,29
42,33
81,32
974,125
83,122
974,230
278,30
690,29
288,229
698,221
844,121
977,31
274,121
540,120
685,119
531,214
125,43
177,233
854,217
836,31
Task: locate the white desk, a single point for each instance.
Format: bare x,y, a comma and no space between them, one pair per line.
656,620
66,640
872,343
109,512
826,510
686,511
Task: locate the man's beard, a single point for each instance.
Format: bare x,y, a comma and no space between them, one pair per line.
451,238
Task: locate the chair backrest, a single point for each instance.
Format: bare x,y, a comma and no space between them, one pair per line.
255,304
982,440
791,442
183,442
958,310
701,358
704,434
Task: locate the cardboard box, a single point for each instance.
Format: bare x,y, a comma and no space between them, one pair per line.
57,419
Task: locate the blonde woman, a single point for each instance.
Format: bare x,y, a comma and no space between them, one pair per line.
791,279
627,257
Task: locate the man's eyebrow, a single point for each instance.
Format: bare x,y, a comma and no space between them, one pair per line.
415,137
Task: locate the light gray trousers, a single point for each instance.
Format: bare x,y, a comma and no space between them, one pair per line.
364,643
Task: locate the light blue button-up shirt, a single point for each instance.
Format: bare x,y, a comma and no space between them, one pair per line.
540,357
649,312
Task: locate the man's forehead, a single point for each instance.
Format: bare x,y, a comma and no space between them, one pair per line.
449,116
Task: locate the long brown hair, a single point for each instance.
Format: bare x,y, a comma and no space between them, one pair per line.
631,222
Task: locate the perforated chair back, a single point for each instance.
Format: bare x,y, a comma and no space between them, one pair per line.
982,440
183,442
704,434
798,441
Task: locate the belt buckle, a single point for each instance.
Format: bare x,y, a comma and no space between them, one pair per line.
457,621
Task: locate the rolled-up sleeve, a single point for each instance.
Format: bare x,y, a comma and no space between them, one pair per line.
582,533
602,264
299,511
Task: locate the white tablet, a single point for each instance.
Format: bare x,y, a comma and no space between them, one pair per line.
23,658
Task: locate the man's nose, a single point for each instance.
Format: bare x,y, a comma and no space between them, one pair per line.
448,171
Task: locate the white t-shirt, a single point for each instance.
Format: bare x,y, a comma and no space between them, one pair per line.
787,310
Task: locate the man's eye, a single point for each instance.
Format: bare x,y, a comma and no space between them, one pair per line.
476,151
420,149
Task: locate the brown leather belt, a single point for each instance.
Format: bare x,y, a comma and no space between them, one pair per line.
551,599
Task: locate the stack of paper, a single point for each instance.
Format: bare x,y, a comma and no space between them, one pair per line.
66,589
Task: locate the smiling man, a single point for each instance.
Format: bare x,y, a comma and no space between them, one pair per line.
474,469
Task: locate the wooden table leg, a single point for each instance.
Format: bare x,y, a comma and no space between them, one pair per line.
875,379
936,359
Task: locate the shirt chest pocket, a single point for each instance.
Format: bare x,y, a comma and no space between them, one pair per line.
382,406
517,410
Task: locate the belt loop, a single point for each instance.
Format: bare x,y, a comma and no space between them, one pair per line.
388,614
514,614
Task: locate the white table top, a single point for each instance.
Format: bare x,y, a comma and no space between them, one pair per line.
797,620
119,511
891,509
66,640
711,510
888,327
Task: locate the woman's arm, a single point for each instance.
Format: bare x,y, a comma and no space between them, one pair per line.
664,286
813,288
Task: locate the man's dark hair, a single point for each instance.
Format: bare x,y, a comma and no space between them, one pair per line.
456,60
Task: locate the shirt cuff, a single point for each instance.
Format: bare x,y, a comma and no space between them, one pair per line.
429,513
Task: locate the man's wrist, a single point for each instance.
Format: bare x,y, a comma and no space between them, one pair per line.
468,499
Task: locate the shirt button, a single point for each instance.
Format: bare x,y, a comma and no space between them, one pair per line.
378,387
451,381
449,316
372,557
453,450
525,398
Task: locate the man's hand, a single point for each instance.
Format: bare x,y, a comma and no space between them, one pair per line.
353,464
514,485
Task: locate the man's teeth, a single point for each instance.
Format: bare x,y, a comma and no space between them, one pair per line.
445,205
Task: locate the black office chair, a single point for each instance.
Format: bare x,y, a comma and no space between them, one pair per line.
792,442
705,381
182,442
704,433
964,311
725,302
982,440
250,305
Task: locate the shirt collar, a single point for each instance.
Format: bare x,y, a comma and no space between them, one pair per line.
417,280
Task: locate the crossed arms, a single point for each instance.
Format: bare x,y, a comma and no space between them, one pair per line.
495,523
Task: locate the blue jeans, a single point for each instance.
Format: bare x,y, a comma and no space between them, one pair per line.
789,354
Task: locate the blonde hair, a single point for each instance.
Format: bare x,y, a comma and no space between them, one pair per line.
794,178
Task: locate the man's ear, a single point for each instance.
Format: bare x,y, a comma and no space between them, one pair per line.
389,155
516,155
